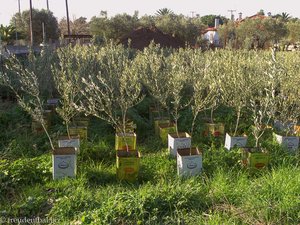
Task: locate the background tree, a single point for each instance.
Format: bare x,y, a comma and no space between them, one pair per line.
147,21
285,17
259,33
261,12
185,28
164,12
99,26
293,31
80,26
228,34
7,33
209,20
115,27
39,17
77,26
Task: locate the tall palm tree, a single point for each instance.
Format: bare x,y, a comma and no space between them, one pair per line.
285,16
164,12
7,33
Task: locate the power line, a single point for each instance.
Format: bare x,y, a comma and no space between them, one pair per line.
231,13
192,12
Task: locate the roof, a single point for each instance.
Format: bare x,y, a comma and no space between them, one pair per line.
256,16
209,29
18,50
142,36
77,36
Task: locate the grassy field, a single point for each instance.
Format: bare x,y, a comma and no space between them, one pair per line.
225,193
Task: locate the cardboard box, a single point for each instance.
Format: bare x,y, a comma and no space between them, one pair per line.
158,122
122,139
128,165
253,158
129,128
231,141
279,126
78,130
180,141
64,162
74,142
289,142
165,129
189,162
215,129
81,121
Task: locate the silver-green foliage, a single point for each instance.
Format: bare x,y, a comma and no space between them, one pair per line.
66,77
116,88
204,90
154,71
25,84
288,104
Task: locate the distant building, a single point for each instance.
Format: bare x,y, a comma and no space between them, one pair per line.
142,37
256,16
9,50
82,39
211,34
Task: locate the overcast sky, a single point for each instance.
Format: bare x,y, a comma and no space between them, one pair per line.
89,8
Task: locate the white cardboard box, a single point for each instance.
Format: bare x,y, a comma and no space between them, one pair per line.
74,142
183,140
64,162
189,164
231,142
289,142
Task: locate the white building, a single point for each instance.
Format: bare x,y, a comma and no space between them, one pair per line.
211,34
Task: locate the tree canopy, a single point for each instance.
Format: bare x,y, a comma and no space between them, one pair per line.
7,33
39,17
253,32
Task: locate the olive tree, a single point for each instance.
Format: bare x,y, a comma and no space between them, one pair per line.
66,77
204,93
153,66
109,94
179,63
28,95
262,103
235,81
288,103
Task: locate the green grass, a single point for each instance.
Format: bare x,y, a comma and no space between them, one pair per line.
225,193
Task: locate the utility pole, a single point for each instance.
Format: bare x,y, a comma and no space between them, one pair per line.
47,5
68,20
231,13
19,6
1,64
44,33
17,16
192,12
30,22
16,31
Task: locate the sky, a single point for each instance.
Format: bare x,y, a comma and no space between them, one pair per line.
90,8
